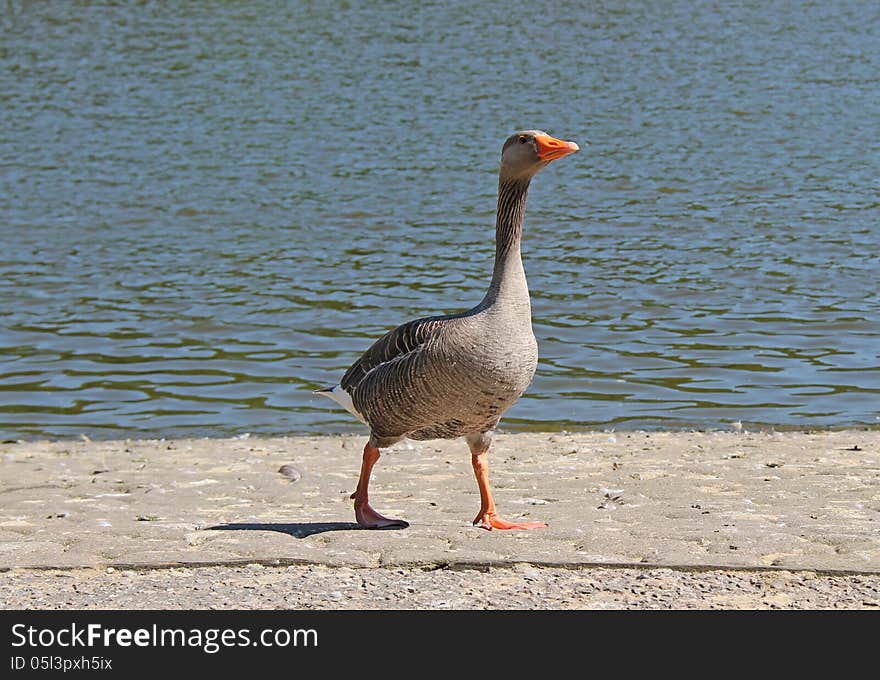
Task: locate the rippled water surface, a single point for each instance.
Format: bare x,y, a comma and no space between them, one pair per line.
207,210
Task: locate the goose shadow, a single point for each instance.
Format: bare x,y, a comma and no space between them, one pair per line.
296,529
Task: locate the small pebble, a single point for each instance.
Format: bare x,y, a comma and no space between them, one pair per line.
290,472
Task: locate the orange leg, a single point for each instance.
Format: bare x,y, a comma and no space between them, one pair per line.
488,517
363,512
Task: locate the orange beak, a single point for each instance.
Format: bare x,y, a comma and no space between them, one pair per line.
550,148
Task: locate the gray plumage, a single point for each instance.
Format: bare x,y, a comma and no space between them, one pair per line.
442,377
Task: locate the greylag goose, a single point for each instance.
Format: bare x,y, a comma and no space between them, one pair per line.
443,377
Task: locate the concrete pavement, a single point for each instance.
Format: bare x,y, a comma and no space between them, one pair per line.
682,500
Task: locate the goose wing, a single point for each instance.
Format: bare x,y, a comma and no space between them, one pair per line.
395,344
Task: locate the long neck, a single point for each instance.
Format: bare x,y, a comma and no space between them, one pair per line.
508,277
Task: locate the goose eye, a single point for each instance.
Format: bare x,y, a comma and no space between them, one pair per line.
522,139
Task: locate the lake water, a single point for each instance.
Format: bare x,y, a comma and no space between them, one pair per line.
207,210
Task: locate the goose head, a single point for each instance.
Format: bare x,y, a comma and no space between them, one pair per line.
527,151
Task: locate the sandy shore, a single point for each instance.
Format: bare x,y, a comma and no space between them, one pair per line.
636,520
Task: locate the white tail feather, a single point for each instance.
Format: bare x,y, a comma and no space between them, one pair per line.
343,398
